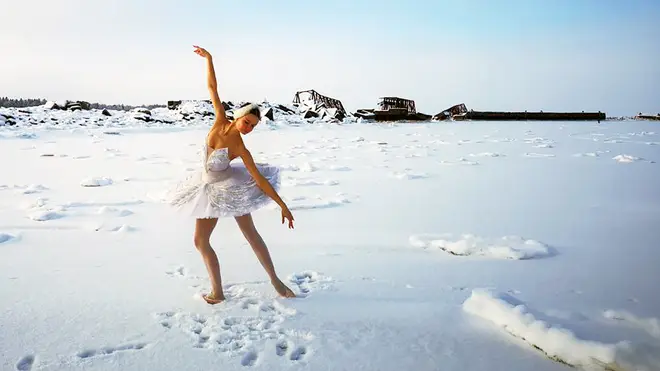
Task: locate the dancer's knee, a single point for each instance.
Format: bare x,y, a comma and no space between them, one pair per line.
202,243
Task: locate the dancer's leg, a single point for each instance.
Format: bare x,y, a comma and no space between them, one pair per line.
203,230
253,237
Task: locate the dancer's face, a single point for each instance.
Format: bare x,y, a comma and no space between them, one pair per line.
246,123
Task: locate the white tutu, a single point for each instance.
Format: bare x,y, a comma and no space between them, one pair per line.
222,189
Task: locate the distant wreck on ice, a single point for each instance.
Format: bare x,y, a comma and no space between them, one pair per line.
460,112
393,109
311,104
642,116
401,109
529,116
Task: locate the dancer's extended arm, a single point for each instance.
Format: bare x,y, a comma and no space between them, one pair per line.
263,183
220,116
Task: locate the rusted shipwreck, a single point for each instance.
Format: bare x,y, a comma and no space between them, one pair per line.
450,112
460,112
530,116
393,109
312,104
641,116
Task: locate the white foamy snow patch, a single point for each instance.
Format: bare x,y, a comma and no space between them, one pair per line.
31,189
556,342
45,215
507,247
96,182
626,158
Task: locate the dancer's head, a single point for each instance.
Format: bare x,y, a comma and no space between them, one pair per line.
247,117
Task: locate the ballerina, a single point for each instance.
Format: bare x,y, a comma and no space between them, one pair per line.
222,189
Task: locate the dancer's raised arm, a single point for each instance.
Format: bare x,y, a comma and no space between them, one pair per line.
220,116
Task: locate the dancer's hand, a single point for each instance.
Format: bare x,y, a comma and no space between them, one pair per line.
286,214
201,52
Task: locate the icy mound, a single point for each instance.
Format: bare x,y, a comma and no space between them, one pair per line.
507,247
96,182
626,158
559,343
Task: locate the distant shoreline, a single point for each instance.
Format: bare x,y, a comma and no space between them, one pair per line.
19,103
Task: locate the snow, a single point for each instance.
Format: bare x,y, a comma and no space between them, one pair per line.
626,158
507,247
422,246
7,237
557,342
96,182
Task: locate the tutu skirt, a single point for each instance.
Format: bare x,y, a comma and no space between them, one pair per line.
227,193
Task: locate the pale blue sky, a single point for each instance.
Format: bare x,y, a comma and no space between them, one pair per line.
490,55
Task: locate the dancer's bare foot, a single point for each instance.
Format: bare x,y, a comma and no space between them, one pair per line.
213,299
282,289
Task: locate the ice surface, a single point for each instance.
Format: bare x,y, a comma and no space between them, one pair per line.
418,246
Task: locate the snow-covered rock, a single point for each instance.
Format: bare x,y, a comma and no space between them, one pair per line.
191,113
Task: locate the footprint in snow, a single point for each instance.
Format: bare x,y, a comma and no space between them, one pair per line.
165,319
25,363
285,347
244,323
92,353
250,358
308,281
298,354
7,237
180,271
282,347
